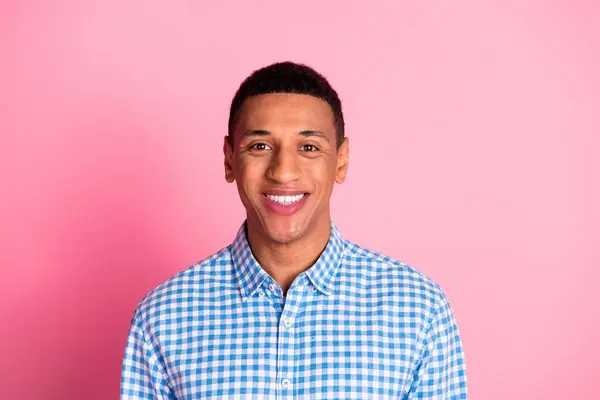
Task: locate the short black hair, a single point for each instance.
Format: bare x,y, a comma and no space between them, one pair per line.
288,77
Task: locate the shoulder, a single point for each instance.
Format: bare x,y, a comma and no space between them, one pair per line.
196,280
390,276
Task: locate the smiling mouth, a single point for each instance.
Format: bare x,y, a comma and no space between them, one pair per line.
285,200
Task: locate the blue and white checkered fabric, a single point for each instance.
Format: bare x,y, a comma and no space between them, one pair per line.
356,325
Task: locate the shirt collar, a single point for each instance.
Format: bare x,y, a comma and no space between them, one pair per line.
250,275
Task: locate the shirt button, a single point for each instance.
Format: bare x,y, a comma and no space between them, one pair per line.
285,383
314,289
288,323
260,294
272,287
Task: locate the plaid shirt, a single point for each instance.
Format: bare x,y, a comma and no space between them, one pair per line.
355,325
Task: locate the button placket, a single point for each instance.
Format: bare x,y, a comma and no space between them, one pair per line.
287,342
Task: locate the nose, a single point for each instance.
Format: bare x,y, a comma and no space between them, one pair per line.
283,167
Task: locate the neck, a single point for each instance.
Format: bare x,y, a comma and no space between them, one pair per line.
285,261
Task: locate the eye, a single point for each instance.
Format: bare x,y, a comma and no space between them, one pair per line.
309,148
259,146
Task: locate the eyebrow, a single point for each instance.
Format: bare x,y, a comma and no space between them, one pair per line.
309,133
256,132
263,132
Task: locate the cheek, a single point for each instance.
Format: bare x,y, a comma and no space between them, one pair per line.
249,175
321,173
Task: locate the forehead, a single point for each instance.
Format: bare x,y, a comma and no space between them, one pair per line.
283,110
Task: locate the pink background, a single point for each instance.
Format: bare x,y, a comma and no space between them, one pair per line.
474,157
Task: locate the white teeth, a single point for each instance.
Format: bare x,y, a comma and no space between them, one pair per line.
285,200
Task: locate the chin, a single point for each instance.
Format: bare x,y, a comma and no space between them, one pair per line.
284,232
282,239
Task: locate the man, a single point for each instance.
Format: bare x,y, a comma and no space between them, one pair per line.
291,310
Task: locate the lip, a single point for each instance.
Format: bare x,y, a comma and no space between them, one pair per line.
281,209
285,192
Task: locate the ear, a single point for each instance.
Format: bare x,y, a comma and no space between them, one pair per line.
343,155
228,154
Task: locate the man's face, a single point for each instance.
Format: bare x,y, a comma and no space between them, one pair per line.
285,161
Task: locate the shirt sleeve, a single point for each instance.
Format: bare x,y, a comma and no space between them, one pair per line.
142,374
441,373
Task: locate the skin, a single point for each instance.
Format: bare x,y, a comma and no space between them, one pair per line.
286,142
